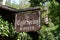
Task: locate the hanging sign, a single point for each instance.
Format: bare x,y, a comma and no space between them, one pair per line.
27,21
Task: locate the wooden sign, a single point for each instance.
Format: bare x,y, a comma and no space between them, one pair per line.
27,21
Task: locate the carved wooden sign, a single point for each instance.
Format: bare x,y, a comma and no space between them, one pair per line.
27,21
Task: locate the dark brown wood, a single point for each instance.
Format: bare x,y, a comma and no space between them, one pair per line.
29,9
8,8
27,21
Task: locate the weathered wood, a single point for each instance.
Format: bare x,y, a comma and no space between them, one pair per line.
29,9
4,7
27,21
18,10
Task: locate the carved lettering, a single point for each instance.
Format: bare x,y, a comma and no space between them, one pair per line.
27,22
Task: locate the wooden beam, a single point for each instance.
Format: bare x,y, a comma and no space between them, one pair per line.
8,8
29,9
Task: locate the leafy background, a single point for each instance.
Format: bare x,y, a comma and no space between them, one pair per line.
50,32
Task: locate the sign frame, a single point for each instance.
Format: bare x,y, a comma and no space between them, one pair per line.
39,20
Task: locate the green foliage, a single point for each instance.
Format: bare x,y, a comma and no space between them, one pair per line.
24,36
52,31
4,28
21,5
35,2
47,33
54,12
25,5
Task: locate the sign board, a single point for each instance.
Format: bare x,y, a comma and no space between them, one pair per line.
27,21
